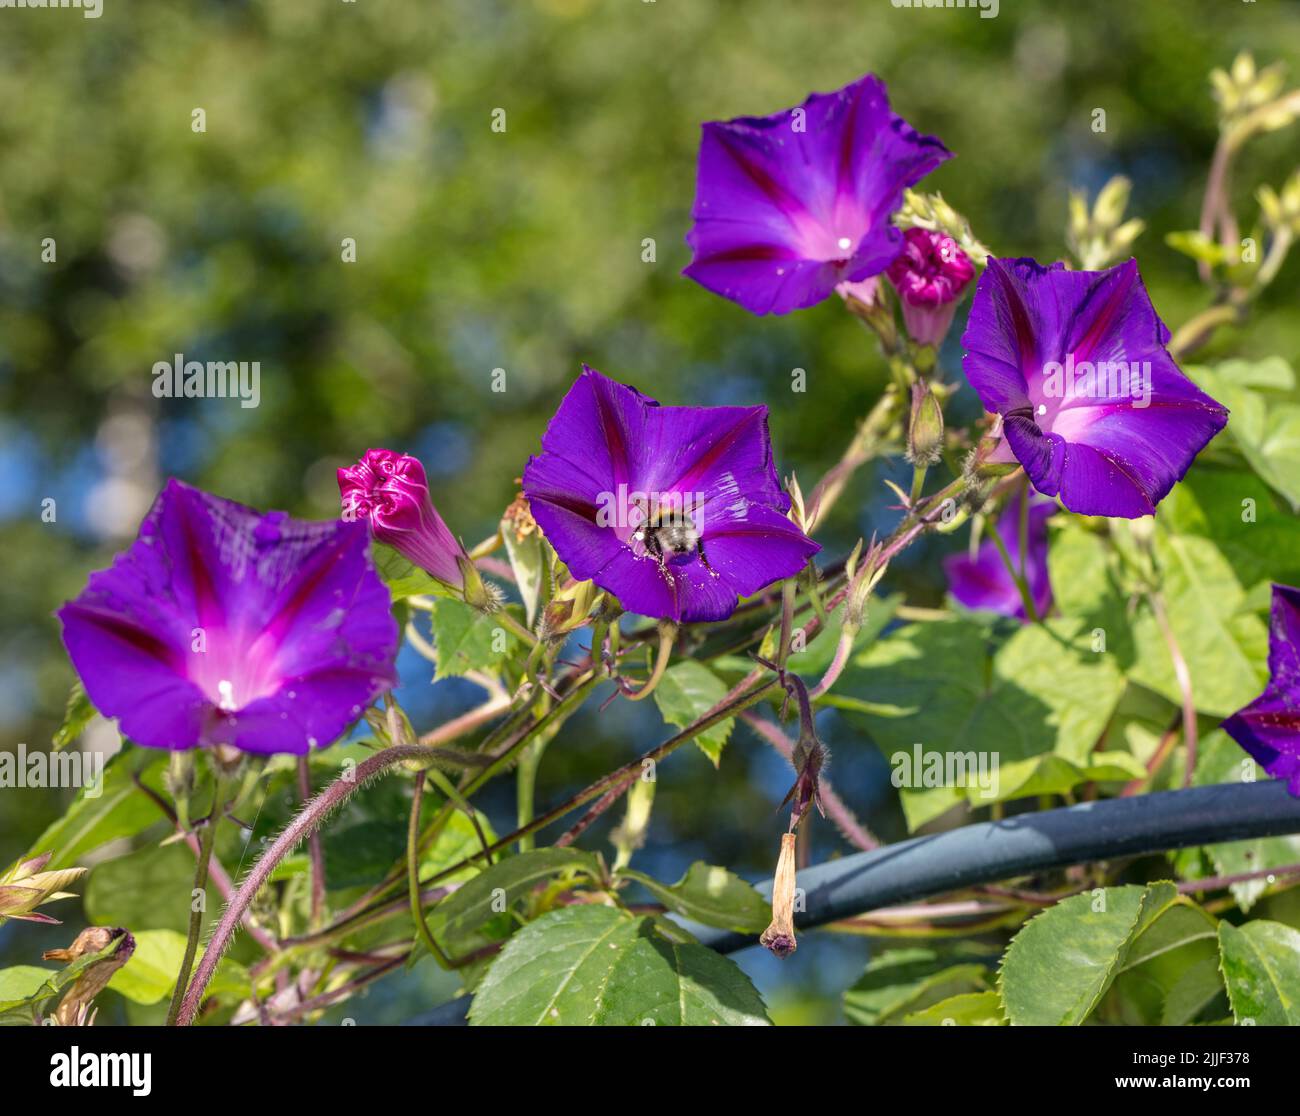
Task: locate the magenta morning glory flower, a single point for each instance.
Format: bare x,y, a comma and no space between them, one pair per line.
790,205
390,491
221,625
1269,727
930,275
676,511
984,582
1092,404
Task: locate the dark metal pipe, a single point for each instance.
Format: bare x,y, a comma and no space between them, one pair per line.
1017,846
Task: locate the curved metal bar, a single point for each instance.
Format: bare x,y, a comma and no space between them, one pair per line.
1017,846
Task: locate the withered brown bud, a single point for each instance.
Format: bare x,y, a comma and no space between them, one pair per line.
518,517
779,935
73,1008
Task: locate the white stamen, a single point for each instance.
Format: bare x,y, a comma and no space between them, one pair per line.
227,692
845,244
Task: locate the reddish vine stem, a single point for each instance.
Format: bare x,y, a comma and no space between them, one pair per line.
304,823
366,918
218,875
467,722
845,821
342,992
1165,745
1217,883
602,804
371,903
609,788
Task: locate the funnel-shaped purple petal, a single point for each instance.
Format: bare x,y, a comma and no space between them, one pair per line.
221,625
984,582
1092,404
790,205
674,510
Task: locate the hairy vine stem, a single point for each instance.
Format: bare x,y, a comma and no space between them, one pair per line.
305,823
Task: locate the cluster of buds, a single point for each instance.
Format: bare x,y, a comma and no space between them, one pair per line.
1100,237
1281,210
1243,90
932,213
25,886
391,492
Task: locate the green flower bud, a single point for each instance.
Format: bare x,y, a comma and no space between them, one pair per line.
569,608
925,433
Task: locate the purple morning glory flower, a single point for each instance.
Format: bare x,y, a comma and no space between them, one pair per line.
221,625
391,492
1092,404
1269,727
983,582
790,205
676,511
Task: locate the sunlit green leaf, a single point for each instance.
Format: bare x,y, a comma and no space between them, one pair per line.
969,1009
686,692
1261,965
710,895
595,965
466,639
496,889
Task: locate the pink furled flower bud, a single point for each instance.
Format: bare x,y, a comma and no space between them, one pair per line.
391,492
930,276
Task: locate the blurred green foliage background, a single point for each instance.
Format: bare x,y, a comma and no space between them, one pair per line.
520,250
